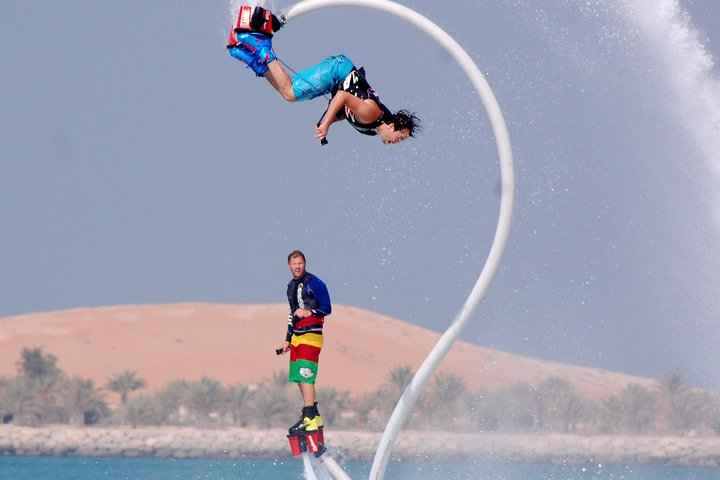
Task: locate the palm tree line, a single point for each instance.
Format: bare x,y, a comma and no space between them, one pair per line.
42,394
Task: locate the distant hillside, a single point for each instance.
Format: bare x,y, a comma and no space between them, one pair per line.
236,343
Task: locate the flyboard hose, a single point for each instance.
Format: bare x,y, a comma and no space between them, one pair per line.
502,231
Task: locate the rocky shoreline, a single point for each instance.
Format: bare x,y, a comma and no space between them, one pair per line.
181,442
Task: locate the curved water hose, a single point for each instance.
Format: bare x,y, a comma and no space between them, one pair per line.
502,231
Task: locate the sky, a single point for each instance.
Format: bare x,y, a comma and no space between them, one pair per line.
141,164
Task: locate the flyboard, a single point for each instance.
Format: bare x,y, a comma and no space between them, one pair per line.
268,25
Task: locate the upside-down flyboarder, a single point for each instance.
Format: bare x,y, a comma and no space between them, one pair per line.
352,98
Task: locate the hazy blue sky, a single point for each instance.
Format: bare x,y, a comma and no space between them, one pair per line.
139,163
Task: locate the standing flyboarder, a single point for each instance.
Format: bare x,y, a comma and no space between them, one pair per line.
309,303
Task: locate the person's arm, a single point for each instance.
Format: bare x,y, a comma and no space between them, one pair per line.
364,111
321,130
288,336
322,296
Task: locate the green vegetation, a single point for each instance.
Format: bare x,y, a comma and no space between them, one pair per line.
125,383
41,394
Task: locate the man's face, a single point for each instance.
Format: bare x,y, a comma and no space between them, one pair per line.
297,266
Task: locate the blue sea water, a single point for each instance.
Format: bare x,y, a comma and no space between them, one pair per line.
54,468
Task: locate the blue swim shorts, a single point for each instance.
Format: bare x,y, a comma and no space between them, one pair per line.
321,78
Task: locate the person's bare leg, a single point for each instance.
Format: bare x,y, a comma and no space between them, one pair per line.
307,390
280,80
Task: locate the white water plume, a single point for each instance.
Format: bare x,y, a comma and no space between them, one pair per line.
687,69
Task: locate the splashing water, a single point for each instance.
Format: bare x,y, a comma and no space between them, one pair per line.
627,100
691,92
687,69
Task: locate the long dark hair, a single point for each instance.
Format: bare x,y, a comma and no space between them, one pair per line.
405,120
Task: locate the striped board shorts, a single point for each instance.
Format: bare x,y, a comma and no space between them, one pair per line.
304,357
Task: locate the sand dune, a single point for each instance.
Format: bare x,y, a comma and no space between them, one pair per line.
236,343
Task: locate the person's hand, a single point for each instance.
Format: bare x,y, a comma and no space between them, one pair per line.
302,313
284,347
321,130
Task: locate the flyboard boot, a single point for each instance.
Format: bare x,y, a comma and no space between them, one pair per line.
306,434
321,426
251,38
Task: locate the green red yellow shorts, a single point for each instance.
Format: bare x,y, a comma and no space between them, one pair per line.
304,357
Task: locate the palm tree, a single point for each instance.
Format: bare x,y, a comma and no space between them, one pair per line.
394,386
43,376
18,401
83,400
632,411
332,403
142,410
399,378
170,401
239,397
639,405
270,407
446,393
205,397
48,390
676,394
558,406
5,416
482,407
673,382
279,380
516,407
610,414
368,413
125,383
701,411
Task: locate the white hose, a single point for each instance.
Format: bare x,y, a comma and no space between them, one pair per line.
502,231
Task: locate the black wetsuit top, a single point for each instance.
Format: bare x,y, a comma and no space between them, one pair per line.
310,293
355,84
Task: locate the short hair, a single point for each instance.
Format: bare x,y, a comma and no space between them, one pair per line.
296,253
405,120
